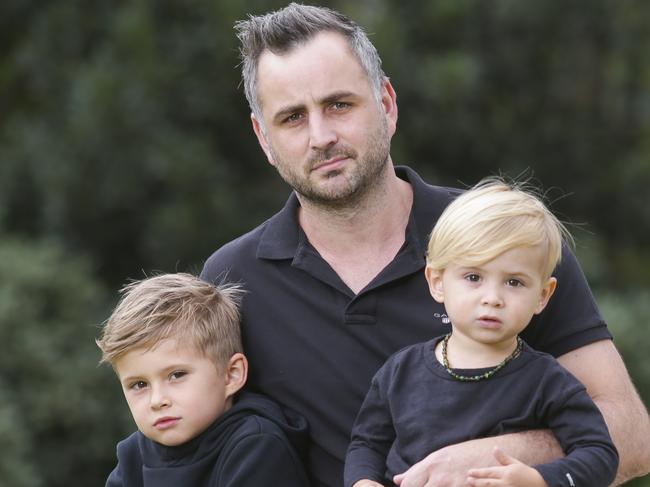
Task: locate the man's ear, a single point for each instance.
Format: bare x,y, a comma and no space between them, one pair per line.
389,105
236,373
547,291
261,138
434,279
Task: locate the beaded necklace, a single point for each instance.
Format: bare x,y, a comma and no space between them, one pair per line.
483,376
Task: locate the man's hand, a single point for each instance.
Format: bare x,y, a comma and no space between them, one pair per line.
439,469
510,473
367,483
448,466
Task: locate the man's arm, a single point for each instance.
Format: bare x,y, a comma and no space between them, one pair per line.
600,368
448,467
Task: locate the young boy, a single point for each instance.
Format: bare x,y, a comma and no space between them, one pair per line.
174,343
490,260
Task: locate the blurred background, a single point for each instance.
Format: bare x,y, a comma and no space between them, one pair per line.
126,148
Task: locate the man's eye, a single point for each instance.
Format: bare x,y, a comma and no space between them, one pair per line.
340,105
293,118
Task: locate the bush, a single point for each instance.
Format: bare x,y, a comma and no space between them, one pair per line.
56,403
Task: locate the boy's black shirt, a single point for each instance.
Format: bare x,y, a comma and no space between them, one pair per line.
254,444
414,406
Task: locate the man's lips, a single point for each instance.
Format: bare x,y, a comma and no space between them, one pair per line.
329,164
166,422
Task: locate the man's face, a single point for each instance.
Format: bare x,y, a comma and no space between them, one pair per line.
324,129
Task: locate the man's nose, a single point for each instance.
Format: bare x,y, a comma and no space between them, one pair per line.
321,132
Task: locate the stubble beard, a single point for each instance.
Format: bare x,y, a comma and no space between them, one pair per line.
359,179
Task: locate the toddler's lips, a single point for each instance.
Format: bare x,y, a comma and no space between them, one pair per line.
491,322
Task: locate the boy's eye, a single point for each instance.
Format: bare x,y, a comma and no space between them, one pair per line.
138,385
177,374
473,277
514,282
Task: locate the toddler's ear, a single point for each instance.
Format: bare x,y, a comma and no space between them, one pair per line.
547,291
434,279
236,373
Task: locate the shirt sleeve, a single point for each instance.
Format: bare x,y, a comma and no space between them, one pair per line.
591,458
572,318
372,437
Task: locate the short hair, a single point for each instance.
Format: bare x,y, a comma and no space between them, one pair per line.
179,306
283,30
491,218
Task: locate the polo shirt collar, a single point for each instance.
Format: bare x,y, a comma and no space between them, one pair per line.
282,233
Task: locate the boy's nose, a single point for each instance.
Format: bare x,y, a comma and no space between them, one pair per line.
492,297
159,400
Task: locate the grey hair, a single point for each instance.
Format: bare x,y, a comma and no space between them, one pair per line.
283,30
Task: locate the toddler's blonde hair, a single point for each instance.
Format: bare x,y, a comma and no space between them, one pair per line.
491,218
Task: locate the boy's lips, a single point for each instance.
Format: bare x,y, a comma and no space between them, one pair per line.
166,422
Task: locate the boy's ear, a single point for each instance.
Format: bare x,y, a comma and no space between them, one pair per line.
236,373
434,279
547,291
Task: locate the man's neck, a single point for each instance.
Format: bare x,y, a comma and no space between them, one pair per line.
358,241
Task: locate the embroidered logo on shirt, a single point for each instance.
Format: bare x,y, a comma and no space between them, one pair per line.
443,317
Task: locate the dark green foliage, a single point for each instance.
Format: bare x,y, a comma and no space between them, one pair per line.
59,412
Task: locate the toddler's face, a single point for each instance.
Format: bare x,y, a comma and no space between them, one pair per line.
493,302
174,392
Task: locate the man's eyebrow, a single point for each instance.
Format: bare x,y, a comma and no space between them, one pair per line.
336,96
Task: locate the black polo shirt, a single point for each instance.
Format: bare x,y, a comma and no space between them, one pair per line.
313,345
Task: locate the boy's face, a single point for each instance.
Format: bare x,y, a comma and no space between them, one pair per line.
174,392
493,302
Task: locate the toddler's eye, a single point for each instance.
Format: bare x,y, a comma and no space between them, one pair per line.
514,282
177,374
473,277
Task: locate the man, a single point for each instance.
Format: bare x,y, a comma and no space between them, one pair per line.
335,280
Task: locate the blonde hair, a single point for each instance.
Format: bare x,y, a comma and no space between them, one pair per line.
491,218
179,306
